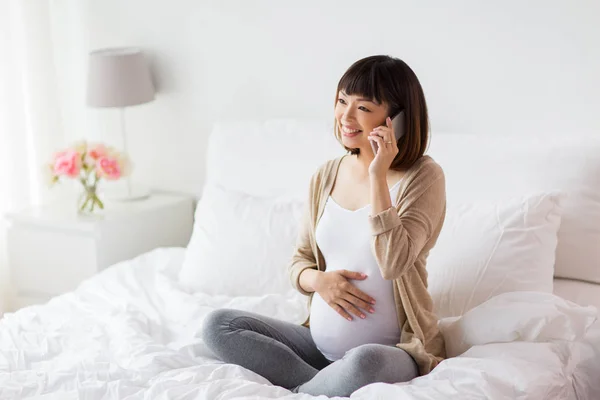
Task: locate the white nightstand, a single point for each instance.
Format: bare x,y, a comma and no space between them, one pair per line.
51,249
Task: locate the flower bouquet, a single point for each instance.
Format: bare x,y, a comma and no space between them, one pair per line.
89,164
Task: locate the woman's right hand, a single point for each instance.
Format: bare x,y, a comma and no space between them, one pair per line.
341,295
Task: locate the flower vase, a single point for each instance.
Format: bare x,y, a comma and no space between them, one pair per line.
89,164
89,203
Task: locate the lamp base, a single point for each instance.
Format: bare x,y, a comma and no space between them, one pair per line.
134,194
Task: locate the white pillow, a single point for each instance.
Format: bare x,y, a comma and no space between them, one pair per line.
485,249
497,167
274,157
517,316
241,245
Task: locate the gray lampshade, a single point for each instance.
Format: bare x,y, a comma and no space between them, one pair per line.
118,77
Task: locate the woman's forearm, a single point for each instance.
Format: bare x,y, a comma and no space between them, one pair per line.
380,194
309,279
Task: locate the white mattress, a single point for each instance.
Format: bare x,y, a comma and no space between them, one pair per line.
132,333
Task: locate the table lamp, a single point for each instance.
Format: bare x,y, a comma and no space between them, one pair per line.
119,78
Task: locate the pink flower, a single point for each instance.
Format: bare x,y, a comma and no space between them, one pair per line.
97,151
67,163
109,168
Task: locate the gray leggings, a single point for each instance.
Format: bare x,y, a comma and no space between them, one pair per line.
285,354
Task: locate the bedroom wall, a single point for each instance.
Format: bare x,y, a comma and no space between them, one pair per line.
486,67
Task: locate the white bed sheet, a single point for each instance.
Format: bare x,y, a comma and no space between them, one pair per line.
132,333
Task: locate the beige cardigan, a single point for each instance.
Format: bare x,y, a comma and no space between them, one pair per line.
402,238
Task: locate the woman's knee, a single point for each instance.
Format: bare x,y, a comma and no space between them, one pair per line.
215,323
366,357
381,363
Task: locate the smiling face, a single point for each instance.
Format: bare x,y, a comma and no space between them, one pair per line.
372,89
356,117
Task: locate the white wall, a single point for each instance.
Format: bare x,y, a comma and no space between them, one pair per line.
486,67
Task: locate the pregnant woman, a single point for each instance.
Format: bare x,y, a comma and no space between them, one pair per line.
371,218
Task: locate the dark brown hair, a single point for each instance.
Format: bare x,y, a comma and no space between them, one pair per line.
389,80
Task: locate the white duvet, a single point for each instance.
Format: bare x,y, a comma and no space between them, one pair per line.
132,333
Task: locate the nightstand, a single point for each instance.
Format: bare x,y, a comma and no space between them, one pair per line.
51,248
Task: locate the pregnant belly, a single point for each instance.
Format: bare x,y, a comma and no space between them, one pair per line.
334,335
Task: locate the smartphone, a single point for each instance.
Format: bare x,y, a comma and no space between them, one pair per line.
397,125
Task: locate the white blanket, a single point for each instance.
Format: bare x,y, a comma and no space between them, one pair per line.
131,332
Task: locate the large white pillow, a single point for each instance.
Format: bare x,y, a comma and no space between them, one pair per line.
274,157
241,244
247,218
487,248
495,167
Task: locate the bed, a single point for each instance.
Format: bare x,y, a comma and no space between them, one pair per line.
133,331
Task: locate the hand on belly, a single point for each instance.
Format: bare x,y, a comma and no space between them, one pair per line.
343,295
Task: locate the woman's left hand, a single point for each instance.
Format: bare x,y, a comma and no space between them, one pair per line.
387,151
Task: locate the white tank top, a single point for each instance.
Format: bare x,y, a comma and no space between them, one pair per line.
344,238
